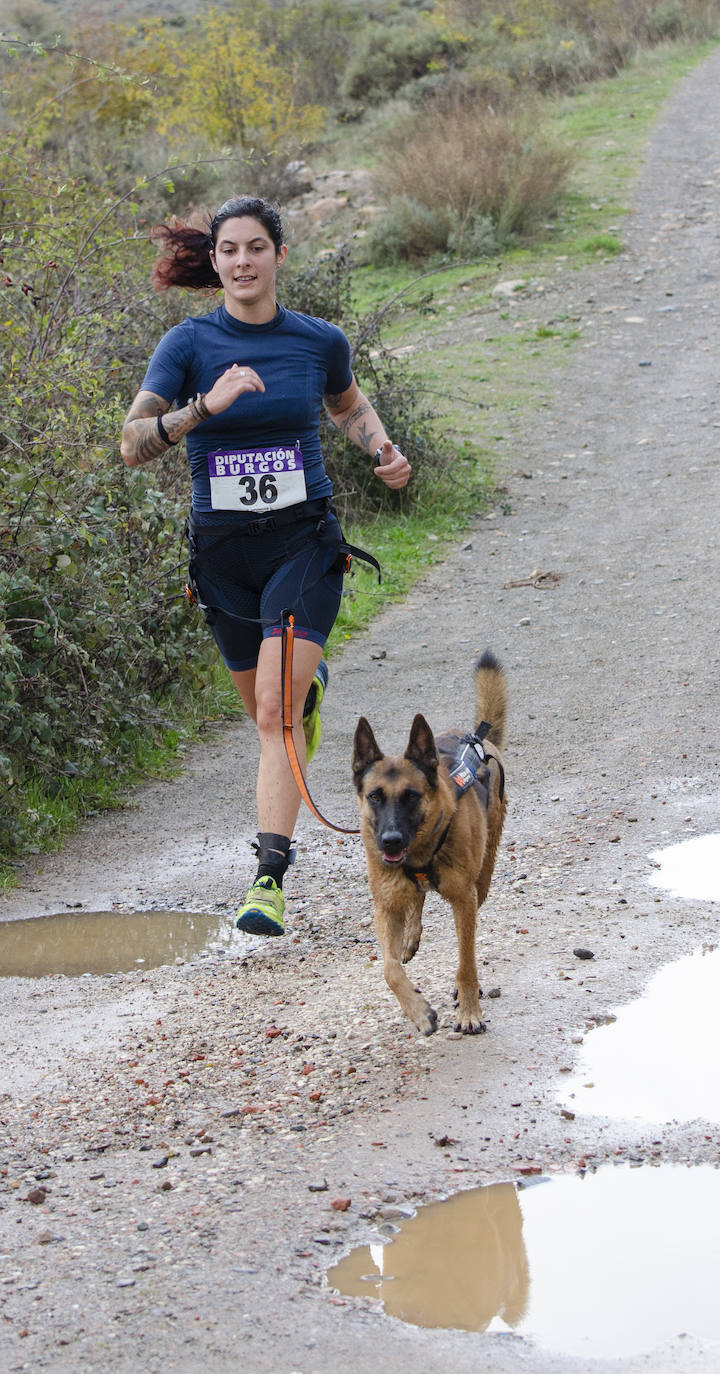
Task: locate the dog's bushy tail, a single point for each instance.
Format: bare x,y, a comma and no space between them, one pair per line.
491,696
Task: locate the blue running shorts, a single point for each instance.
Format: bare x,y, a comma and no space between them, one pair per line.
245,581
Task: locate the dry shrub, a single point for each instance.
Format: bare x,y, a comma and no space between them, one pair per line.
470,163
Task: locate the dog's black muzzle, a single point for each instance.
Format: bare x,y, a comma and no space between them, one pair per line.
392,846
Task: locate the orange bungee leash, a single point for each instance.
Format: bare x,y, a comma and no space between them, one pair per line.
288,638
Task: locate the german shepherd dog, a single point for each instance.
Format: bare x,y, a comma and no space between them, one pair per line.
421,830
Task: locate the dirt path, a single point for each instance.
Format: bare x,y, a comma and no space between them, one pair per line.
183,1119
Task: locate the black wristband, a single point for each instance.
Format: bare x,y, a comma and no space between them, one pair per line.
163,433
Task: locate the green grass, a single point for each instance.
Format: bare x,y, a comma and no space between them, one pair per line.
55,810
505,373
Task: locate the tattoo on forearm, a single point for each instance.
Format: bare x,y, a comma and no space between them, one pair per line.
355,414
140,433
365,438
360,424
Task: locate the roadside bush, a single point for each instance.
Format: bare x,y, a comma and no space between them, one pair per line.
93,628
407,232
550,45
385,57
483,176
667,21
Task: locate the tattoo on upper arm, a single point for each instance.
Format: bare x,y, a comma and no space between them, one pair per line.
332,402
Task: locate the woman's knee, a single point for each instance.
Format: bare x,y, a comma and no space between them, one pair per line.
269,714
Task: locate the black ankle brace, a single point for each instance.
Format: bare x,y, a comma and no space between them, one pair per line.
274,854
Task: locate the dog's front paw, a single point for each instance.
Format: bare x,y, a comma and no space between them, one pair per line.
429,1026
470,1025
422,1014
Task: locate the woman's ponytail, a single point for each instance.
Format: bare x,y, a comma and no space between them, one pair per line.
185,260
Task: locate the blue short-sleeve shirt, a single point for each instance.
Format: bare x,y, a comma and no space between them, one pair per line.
299,359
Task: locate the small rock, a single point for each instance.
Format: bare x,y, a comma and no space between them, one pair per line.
509,288
583,953
341,1204
396,1212
37,1195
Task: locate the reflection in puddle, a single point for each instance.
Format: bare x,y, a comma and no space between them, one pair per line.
690,869
105,941
659,1059
613,1263
457,1263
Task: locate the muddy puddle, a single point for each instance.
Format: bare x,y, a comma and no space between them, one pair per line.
690,869
613,1263
658,1061
102,942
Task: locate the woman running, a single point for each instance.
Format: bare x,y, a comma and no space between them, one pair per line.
245,387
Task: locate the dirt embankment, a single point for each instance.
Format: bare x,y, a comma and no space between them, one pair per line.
168,1135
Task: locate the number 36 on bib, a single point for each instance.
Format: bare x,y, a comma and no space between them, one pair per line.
256,479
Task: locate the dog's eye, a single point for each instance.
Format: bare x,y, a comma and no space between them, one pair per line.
376,797
411,796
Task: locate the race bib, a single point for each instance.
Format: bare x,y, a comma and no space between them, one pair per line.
256,479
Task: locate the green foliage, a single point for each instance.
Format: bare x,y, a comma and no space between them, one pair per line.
557,45
229,93
408,231
93,628
385,57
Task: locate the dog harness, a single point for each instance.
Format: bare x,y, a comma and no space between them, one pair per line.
468,766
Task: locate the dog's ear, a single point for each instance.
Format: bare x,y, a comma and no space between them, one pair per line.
422,750
365,751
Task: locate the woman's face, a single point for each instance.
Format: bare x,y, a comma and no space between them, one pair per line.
246,261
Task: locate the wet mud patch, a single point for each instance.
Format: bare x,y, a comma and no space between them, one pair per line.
657,1061
102,942
612,1263
690,869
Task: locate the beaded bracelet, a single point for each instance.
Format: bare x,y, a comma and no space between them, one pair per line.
198,407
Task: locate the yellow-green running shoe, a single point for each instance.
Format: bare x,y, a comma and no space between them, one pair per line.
263,909
312,726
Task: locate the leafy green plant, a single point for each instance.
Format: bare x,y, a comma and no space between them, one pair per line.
385,57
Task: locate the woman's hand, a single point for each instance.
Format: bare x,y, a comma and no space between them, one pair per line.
238,379
393,468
